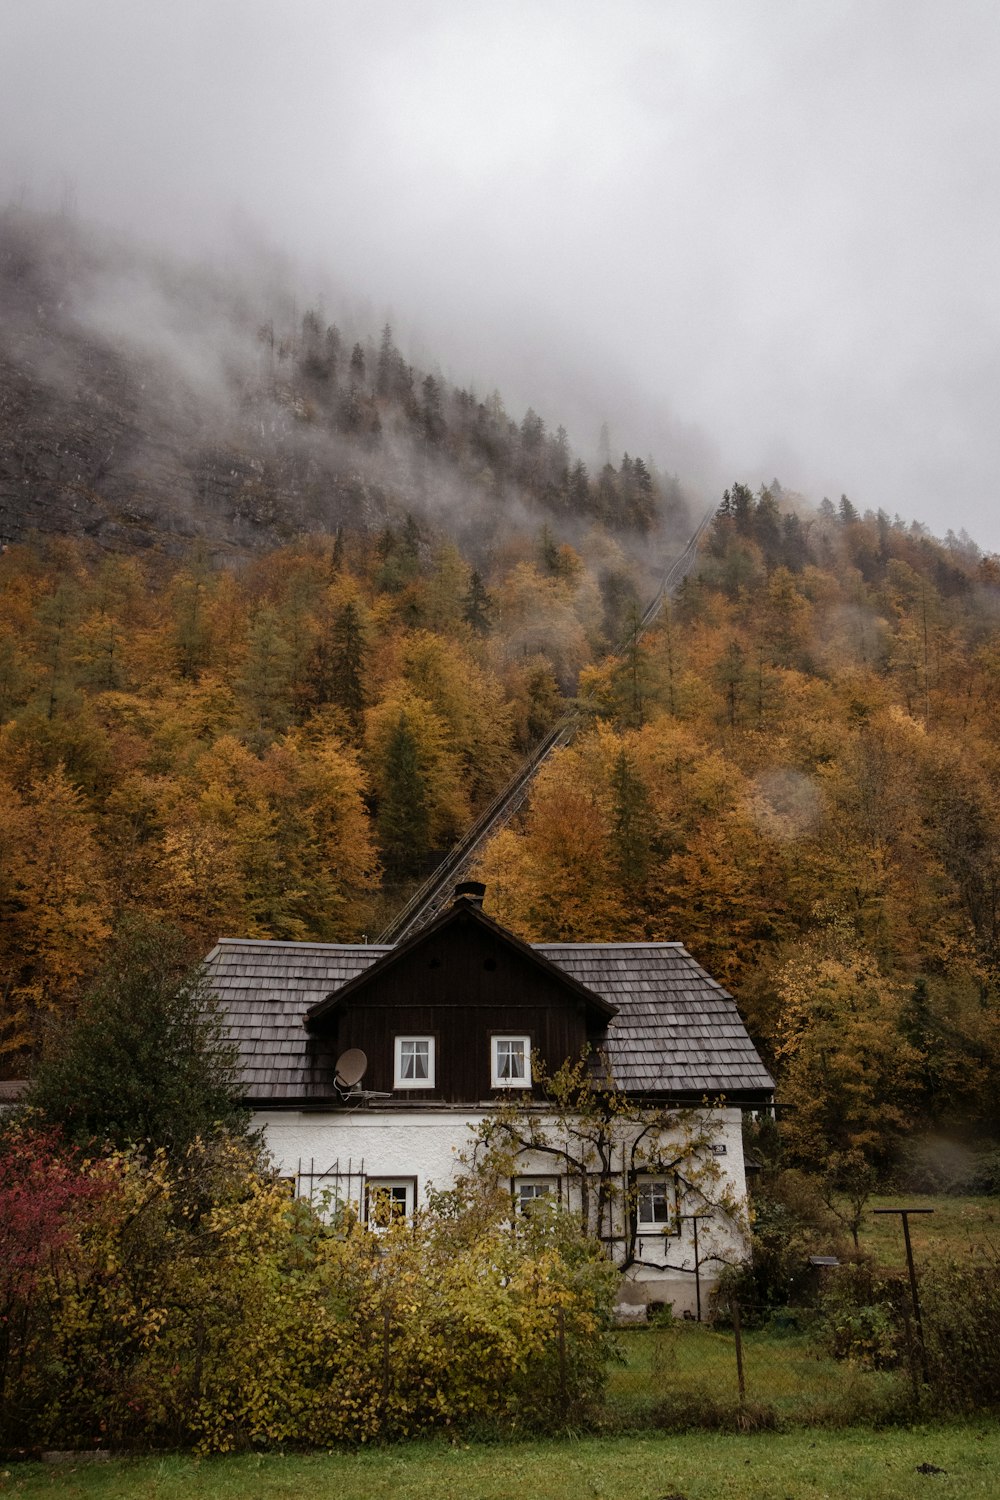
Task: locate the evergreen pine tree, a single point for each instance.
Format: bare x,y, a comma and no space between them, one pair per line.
403,818
265,683
347,663
147,1061
387,360
731,676
579,489
548,551
410,541
432,414
632,816
633,674
477,605
743,507
332,349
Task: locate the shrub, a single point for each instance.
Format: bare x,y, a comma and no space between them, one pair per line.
193,1303
866,1316
862,1316
961,1314
45,1196
790,1222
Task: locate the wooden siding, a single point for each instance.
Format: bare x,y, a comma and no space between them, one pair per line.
462,987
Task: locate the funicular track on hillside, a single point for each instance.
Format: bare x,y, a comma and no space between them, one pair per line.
435,891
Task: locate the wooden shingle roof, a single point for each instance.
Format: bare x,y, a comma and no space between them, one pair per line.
264,990
677,1032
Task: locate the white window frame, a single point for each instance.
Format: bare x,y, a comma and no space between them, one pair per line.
510,1083
394,1186
549,1186
667,1225
399,1082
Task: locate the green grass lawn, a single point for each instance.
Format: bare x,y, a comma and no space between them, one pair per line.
698,1466
787,1373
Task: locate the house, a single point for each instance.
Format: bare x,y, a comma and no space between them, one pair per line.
368,1067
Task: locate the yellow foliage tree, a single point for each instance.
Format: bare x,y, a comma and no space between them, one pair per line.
846,1070
54,908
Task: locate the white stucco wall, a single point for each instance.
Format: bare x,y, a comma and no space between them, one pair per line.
379,1142
424,1144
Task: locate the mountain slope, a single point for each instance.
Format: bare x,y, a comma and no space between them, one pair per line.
148,402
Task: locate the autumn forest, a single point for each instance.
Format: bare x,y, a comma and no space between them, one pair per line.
794,773
274,722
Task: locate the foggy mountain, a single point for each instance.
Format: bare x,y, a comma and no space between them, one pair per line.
147,401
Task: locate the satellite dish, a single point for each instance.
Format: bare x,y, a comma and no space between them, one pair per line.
351,1066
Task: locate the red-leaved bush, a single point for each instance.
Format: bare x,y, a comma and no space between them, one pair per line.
45,1194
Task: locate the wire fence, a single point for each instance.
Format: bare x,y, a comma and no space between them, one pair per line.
871,1347
710,1375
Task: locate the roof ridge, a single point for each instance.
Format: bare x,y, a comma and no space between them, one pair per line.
297,943
245,942
653,943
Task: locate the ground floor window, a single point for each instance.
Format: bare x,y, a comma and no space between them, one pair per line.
388,1199
657,1205
529,1190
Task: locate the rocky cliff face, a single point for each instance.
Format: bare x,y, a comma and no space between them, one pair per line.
134,410
147,403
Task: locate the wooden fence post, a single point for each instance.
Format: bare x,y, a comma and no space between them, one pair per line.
739,1350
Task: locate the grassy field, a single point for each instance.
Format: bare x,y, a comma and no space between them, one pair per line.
956,1226
894,1465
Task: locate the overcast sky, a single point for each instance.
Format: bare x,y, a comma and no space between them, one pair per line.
758,238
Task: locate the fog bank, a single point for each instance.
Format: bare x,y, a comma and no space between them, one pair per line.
754,240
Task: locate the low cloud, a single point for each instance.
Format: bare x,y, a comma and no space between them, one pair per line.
755,241
785,804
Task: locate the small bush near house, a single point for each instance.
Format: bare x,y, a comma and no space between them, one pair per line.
862,1316
790,1222
190,1303
961,1302
866,1317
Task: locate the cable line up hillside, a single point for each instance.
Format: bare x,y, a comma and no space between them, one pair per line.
429,898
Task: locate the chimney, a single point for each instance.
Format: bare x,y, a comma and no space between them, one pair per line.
472,890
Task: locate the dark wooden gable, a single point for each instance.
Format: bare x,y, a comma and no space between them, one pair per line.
462,980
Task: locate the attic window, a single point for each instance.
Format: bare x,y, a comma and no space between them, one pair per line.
414,1062
511,1062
